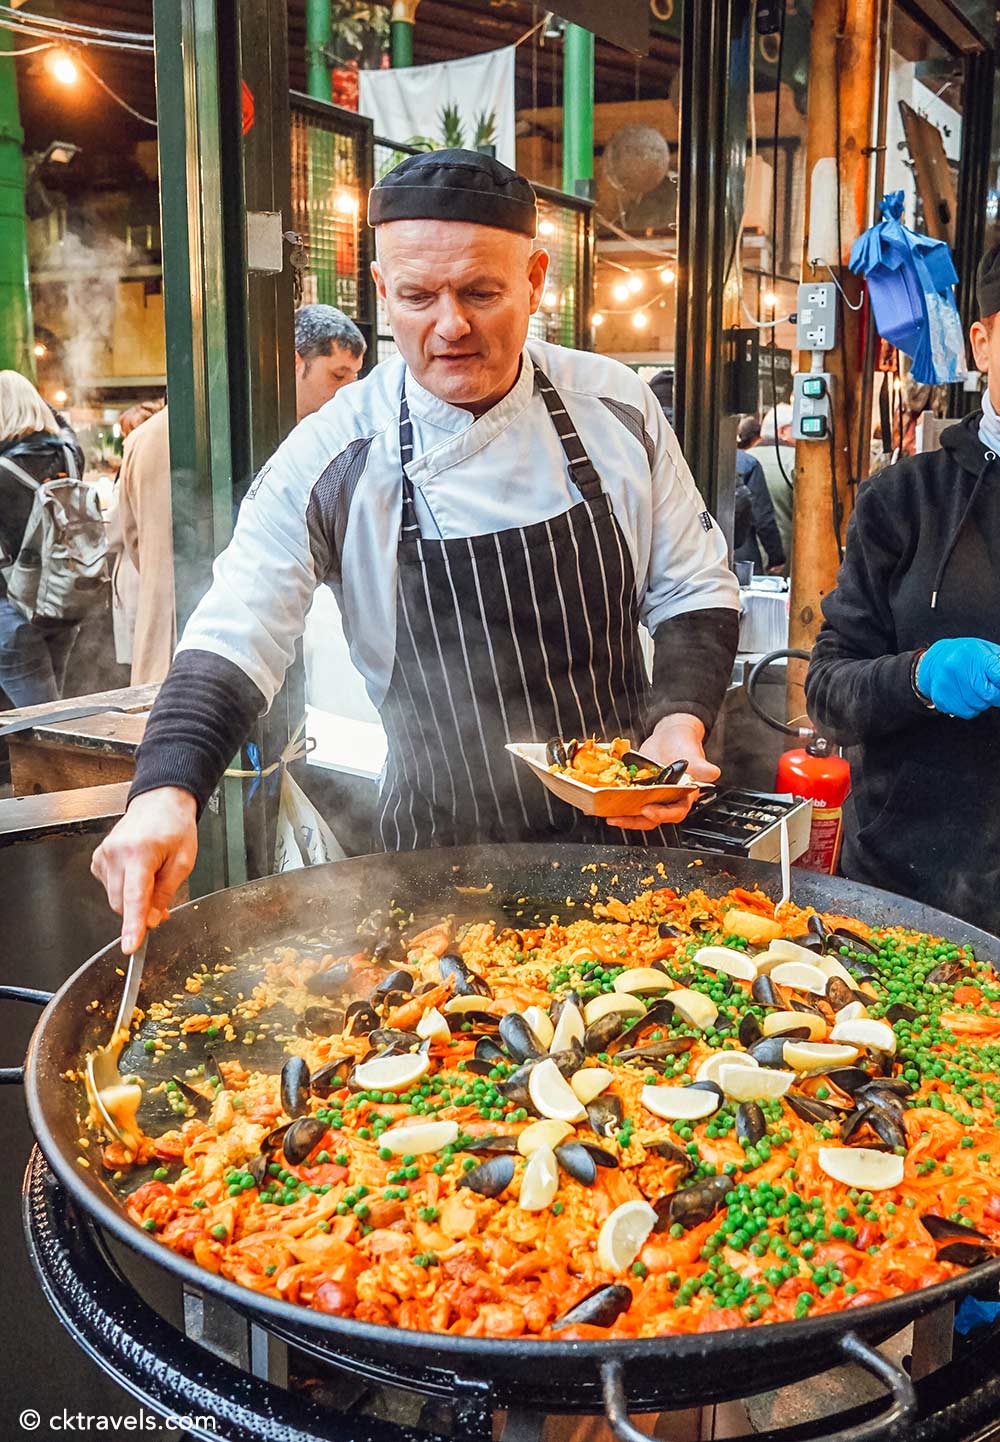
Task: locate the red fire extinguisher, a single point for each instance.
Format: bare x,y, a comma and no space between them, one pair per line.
814,771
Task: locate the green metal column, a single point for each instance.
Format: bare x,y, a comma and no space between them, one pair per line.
318,34
578,110
401,33
16,331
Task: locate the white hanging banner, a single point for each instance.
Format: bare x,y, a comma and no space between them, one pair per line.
456,104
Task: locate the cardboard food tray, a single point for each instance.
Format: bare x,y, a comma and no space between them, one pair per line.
596,800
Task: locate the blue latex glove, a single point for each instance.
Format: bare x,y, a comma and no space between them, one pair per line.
961,676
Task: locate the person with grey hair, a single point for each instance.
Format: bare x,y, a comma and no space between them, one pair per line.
329,354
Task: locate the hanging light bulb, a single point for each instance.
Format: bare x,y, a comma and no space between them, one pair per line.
60,398
635,283
345,203
40,350
640,320
596,319
546,227
63,67
620,292
668,275
550,299
770,299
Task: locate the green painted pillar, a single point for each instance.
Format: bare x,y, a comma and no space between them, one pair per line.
318,33
16,330
401,33
578,108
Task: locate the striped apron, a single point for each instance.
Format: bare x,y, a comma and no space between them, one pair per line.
520,635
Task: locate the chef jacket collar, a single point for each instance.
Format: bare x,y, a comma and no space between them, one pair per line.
467,433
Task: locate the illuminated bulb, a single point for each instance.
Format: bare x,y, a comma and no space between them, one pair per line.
116,431
597,319
345,202
635,283
64,68
620,291
770,299
60,398
550,299
668,275
39,349
640,320
546,227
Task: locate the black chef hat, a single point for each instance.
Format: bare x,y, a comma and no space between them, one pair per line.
454,185
988,282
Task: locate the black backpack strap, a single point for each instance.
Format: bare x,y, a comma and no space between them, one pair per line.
21,474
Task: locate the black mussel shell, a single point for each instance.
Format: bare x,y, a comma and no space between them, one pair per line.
665,930
467,982
838,993
301,1138
508,933
895,1086
568,1061
770,1050
386,1036
401,981
660,1014
295,1087
942,1228
804,1006
331,1076
947,972
518,1038
808,1109
490,1178
666,776
322,1021
577,1161
671,1153
605,1115
258,1168
598,1308
701,922
503,1146
555,752
965,1254
885,1123
864,971
600,1156
763,992
483,1020
849,1079
273,1140
877,1096
333,981
478,1066
602,1032
855,1119
201,1103
657,1050
809,940
899,1011
817,927
212,1071
750,1123
556,1008
360,1019
389,948
486,1049
844,937
707,1086
390,999
749,1031
694,1204
515,1087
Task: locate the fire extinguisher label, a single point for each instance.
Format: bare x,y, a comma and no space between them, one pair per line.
824,840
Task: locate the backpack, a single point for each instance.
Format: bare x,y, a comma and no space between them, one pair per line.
60,570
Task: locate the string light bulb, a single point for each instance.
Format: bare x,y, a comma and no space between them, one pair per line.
345,203
39,350
63,67
668,275
635,283
640,320
550,299
546,227
620,292
60,398
596,319
770,299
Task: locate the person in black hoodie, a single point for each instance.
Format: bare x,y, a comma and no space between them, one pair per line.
33,656
906,668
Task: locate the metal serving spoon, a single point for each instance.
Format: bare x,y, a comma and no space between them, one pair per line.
101,1076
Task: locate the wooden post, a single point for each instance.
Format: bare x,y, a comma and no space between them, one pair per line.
842,80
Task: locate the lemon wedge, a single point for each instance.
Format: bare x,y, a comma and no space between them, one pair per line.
621,1001
420,1137
541,1024
589,1082
832,966
786,950
569,1028
552,1095
465,1003
709,1068
642,978
799,976
778,1021
750,1084
694,1007
864,1032
863,1167
547,1133
434,1026
725,958
392,1073
757,929
689,1104
540,1181
809,1056
623,1234
853,1011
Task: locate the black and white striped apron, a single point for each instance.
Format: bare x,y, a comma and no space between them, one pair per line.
516,636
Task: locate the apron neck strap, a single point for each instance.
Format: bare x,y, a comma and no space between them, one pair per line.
409,528
581,467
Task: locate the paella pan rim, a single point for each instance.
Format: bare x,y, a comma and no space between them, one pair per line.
48,1051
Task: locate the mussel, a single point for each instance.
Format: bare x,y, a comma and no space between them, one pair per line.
692,1204
518,1038
360,1018
301,1138
763,992
322,1021
384,1037
401,981
333,981
491,1177
671,1153
477,1020
201,1103
598,1308
838,993
556,1007
749,1031
515,1087
212,1072
895,1086
295,1087
389,948
810,940
665,930
849,1079
841,935
660,1014
770,1050
331,1076
575,1159
657,1050
257,1167
502,1146
855,1119
943,1228
965,1254
947,972
556,753
466,981
750,1123
486,1049
808,1109
663,775
899,1011
605,1114
601,1033
569,1060
886,1124
817,927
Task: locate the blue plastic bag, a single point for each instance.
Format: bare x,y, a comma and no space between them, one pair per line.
911,280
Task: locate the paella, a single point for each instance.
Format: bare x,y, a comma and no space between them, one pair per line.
673,1114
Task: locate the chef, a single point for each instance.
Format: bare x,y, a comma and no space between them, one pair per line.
496,516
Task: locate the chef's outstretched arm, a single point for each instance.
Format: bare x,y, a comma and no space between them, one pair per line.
690,605
229,665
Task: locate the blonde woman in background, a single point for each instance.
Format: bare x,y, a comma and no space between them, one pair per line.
33,654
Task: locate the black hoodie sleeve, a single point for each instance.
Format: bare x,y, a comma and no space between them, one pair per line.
693,663
858,685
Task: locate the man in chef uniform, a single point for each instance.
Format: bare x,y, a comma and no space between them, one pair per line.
496,516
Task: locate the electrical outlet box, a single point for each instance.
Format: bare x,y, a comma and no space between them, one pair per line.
816,326
812,402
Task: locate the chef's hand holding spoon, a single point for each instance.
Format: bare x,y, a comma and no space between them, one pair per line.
674,736
147,855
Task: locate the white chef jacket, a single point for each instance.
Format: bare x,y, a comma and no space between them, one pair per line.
472,475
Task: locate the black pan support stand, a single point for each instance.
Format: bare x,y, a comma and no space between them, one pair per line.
122,1334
